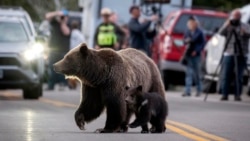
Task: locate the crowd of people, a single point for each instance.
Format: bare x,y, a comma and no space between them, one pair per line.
137,34
108,34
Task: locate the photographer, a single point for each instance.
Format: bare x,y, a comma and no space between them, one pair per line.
138,31
58,43
195,40
237,35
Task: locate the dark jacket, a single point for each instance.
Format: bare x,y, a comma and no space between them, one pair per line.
197,41
58,41
138,39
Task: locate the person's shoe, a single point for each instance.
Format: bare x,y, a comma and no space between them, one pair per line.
186,94
237,98
224,98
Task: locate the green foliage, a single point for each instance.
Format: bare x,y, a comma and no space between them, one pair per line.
38,8
24,4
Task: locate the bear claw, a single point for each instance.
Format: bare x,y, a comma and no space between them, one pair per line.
82,126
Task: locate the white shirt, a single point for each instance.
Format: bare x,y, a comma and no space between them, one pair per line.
76,38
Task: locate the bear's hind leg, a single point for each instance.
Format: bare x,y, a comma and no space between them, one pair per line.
159,126
144,128
116,111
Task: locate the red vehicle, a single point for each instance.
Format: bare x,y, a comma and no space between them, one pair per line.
168,47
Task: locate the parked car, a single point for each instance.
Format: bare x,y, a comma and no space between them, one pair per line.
214,49
21,58
168,47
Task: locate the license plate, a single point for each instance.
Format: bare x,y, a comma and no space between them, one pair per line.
1,74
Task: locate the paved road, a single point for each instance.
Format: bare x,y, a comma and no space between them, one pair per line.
51,119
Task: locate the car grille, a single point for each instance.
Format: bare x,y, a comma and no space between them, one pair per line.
9,61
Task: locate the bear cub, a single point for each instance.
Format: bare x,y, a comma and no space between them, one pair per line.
148,107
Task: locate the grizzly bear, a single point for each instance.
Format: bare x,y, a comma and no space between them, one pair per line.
103,74
149,107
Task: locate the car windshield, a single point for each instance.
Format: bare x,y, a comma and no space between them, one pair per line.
208,23
12,32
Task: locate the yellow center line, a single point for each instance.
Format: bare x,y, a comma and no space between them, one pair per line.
185,134
57,103
179,128
196,131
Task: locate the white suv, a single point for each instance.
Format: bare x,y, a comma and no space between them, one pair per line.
21,58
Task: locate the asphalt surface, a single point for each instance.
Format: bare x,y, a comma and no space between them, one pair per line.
51,118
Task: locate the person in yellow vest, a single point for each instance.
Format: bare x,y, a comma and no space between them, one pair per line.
105,35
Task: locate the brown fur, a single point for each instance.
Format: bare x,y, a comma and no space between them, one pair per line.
103,74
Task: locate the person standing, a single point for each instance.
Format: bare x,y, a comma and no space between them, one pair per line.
105,34
58,43
138,31
76,36
195,40
242,34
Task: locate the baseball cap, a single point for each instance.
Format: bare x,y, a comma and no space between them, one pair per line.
106,11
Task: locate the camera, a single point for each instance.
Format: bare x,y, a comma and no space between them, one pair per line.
62,17
235,22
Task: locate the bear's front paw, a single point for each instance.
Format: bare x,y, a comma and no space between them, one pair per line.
102,130
79,119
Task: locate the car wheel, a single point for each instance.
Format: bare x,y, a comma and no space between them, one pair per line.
32,93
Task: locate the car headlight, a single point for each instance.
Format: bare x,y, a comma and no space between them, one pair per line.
33,52
214,41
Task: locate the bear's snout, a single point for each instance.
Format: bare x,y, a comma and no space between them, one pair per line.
57,67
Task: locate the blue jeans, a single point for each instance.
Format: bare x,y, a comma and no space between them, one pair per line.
53,76
228,70
193,71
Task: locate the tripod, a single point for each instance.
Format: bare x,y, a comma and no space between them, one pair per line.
238,51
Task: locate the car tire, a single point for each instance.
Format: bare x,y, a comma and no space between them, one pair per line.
33,93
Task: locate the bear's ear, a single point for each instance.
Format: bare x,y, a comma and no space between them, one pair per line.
139,88
83,49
